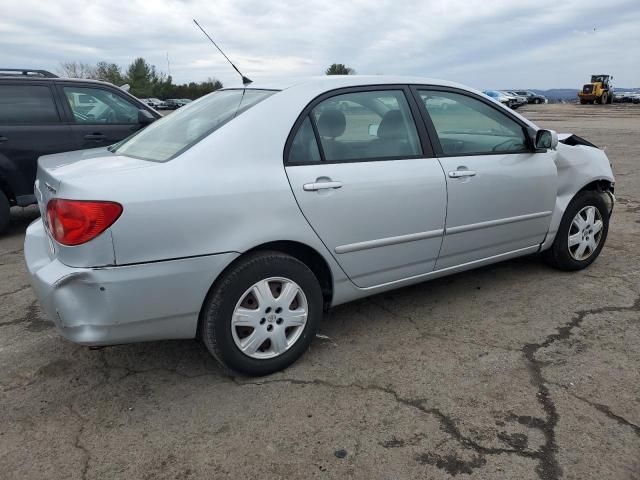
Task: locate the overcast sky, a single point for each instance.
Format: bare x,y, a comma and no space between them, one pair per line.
482,43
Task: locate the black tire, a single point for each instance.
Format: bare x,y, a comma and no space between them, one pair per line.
559,255
583,102
537,101
215,318
5,211
605,98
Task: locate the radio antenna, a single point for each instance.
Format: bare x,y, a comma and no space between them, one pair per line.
245,80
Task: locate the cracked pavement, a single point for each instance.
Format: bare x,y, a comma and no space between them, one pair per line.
510,371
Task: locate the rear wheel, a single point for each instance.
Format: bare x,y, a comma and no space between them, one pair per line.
582,232
262,314
537,101
583,102
5,210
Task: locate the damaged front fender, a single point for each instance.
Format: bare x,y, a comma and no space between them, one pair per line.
581,165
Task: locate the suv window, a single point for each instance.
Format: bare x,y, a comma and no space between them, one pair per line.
465,125
173,134
365,126
97,105
27,104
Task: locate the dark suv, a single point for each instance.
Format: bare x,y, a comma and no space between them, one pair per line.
41,113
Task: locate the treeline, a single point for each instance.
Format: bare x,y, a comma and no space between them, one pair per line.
143,79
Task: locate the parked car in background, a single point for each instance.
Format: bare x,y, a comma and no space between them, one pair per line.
174,103
500,97
261,207
532,97
42,114
626,97
519,100
158,104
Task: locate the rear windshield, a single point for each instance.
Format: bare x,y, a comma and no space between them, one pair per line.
175,133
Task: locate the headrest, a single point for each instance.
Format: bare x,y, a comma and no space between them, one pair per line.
392,126
331,123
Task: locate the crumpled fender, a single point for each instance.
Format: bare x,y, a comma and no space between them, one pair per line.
579,163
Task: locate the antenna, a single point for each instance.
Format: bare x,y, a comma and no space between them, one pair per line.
245,80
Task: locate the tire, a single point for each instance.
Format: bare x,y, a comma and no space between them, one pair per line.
263,273
583,102
537,101
564,257
604,99
5,211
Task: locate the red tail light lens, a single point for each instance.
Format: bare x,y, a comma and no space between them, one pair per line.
74,222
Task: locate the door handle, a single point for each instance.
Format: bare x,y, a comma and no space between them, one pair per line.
312,187
95,136
462,173
3,139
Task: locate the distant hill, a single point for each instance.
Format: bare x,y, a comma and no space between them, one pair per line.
556,94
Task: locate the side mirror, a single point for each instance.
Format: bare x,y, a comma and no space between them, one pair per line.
546,139
144,117
373,129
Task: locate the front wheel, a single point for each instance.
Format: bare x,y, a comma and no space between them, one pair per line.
262,313
537,101
582,232
5,211
605,98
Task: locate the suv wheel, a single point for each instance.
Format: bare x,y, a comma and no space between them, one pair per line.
582,233
5,210
262,314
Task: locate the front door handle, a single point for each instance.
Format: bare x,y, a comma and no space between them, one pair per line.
95,136
312,187
3,139
462,173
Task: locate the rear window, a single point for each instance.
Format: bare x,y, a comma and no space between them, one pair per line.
175,133
27,104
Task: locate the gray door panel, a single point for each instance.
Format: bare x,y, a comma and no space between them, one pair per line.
385,220
505,206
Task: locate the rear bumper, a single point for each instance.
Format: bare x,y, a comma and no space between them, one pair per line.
122,304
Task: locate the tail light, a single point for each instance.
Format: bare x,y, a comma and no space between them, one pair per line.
74,222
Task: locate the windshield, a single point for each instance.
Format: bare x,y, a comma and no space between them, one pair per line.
178,131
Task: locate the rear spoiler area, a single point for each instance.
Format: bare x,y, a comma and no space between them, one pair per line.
573,140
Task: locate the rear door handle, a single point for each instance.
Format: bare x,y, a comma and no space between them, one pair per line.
95,136
3,139
462,173
312,187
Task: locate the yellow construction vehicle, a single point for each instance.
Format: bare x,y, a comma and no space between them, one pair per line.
600,90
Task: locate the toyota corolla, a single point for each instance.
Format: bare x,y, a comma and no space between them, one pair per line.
241,217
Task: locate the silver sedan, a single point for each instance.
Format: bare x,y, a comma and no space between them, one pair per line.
241,217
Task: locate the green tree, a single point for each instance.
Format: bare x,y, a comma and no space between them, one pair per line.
142,78
339,69
109,72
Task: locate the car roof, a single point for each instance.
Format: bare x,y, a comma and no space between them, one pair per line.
31,78
329,82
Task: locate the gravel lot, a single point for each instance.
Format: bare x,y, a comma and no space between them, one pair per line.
511,371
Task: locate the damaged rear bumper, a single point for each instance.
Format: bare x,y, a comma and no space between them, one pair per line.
122,304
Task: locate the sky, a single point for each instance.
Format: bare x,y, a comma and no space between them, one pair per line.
481,43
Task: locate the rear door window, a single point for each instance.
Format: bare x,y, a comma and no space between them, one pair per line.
367,125
27,104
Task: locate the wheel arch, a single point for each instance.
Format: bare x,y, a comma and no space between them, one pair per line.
307,255
301,251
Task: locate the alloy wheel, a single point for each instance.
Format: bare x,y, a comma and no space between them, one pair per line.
585,233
